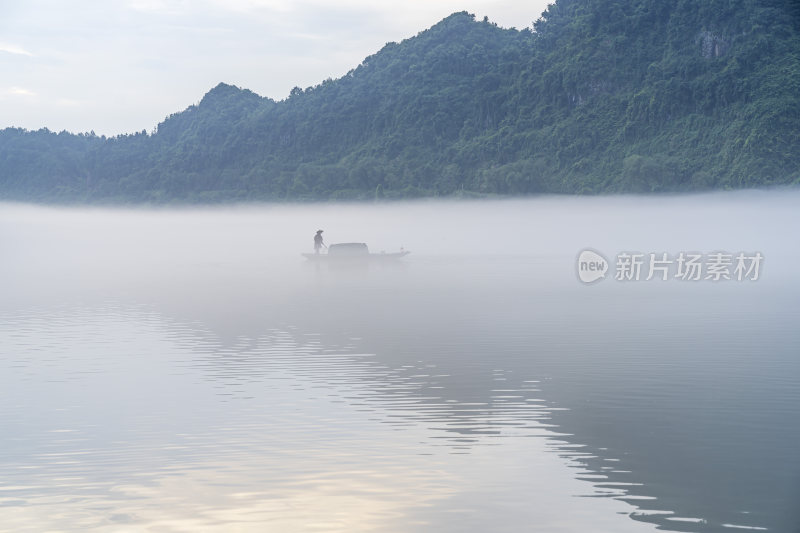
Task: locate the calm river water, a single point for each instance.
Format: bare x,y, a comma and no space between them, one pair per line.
188,370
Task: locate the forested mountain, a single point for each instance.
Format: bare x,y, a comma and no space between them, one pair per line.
601,96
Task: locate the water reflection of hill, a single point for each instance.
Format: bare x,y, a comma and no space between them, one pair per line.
674,397
662,405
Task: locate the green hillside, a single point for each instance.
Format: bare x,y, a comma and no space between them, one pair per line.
602,96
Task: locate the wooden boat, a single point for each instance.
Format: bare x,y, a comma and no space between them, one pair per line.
355,252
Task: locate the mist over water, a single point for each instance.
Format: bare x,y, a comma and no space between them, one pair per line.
188,369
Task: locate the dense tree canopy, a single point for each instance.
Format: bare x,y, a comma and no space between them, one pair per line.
602,96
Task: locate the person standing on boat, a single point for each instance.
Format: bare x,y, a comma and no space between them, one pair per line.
318,241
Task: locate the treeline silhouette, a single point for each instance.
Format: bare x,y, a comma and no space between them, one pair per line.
600,96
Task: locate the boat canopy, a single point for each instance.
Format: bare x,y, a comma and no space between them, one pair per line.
348,248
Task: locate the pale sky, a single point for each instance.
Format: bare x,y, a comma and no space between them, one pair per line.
123,66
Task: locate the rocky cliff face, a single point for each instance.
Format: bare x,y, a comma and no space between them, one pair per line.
712,45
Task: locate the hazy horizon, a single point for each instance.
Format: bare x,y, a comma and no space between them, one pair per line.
189,369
